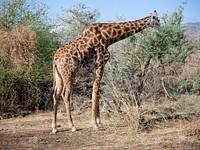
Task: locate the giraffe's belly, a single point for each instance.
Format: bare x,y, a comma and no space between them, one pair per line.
87,68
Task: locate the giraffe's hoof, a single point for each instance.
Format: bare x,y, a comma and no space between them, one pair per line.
99,122
54,131
100,125
95,127
73,129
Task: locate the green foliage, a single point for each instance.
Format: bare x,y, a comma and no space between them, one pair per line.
47,43
167,44
22,12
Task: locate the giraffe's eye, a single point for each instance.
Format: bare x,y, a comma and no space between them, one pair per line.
154,17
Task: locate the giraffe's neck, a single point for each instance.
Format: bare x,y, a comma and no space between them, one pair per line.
105,34
115,32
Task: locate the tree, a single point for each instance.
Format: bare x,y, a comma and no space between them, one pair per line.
22,12
77,19
141,72
166,45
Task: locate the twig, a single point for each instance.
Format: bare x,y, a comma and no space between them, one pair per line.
165,90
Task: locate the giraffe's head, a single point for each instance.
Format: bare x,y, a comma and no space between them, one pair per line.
154,20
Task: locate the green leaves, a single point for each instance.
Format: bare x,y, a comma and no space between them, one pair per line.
168,43
22,12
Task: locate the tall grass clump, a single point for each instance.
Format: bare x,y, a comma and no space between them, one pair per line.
148,71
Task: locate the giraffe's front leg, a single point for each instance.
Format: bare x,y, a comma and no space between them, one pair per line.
98,117
95,98
106,56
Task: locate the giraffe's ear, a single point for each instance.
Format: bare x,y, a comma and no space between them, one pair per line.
151,14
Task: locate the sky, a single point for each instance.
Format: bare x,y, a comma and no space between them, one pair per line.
129,9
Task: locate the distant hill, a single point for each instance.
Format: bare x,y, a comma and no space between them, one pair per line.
193,31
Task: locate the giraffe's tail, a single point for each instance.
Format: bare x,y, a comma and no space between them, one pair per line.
53,72
49,100
51,92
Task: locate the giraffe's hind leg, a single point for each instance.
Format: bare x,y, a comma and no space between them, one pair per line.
55,107
58,87
66,96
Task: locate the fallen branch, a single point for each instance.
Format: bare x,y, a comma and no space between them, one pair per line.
148,124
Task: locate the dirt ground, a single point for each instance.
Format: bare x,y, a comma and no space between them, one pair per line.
34,132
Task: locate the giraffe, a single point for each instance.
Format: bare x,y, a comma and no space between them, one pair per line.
89,53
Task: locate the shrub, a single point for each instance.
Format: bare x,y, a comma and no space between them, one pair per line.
18,45
22,91
28,43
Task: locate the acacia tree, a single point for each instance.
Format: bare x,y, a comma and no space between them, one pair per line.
168,44
142,75
159,49
76,20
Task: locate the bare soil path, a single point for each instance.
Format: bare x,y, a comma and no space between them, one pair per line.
33,132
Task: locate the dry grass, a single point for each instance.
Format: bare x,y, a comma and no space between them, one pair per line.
18,45
151,115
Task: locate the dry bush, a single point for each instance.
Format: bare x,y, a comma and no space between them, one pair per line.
18,45
158,82
128,95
